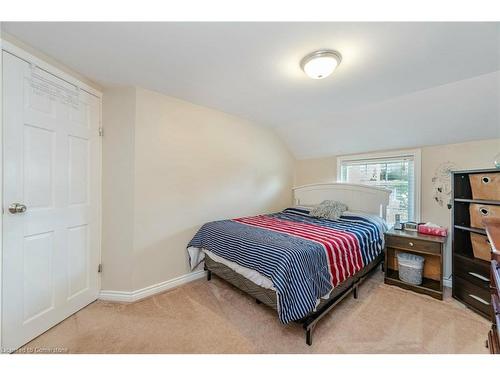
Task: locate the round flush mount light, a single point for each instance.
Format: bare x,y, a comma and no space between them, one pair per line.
320,64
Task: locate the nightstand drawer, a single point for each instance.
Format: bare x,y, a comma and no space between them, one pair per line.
413,244
473,271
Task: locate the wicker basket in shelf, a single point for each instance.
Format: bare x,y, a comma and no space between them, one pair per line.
478,212
480,246
485,186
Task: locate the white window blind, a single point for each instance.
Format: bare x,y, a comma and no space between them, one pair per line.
394,173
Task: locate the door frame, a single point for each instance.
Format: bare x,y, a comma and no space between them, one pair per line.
41,64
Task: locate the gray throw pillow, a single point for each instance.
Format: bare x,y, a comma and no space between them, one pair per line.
328,209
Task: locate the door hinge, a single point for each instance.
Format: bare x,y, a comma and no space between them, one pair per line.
99,268
101,132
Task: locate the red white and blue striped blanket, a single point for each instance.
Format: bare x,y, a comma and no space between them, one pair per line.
305,257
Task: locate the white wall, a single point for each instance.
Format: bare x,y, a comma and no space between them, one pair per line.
191,165
309,171
469,155
118,161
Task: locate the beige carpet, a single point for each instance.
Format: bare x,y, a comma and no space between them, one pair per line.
214,317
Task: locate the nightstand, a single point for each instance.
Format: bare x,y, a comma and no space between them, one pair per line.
430,247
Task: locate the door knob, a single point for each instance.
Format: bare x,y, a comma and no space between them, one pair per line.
17,208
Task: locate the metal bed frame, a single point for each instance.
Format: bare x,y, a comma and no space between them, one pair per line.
268,297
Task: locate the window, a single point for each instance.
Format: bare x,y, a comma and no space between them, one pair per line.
398,172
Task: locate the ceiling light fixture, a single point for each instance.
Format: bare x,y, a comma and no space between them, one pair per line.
320,64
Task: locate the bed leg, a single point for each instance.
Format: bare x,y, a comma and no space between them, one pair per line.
209,275
355,291
309,335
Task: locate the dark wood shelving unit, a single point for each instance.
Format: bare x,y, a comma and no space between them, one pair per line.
478,201
471,275
478,262
470,229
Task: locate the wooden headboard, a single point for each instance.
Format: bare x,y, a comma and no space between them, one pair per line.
361,198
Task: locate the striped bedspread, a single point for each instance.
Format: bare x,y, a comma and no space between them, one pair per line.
305,257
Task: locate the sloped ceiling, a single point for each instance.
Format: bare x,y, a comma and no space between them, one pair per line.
399,84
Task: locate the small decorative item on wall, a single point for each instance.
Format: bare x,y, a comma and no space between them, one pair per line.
497,161
441,183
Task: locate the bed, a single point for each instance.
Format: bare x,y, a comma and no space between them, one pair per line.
298,264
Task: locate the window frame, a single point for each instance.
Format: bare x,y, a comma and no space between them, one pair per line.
416,154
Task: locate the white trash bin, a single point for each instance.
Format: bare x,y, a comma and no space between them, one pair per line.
411,268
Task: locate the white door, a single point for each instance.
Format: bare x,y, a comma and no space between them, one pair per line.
51,151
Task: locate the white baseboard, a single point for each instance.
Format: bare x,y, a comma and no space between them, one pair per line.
119,296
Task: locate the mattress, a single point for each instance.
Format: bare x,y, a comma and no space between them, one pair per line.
252,275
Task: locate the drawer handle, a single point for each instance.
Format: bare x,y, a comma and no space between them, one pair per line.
479,299
410,243
480,277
